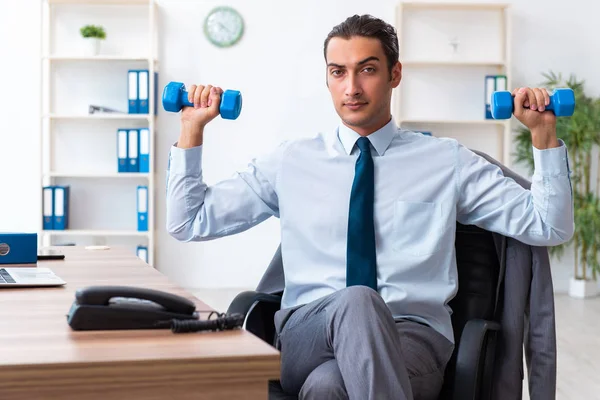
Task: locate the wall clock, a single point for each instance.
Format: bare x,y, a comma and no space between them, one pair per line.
224,26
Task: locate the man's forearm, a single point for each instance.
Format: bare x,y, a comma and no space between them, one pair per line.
190,136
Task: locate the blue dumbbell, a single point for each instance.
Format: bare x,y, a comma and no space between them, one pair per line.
175,97
562,103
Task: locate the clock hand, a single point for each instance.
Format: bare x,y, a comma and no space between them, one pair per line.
224,27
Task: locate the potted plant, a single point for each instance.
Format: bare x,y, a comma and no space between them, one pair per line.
581,134
92,36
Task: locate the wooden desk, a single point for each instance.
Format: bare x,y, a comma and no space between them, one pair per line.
42,358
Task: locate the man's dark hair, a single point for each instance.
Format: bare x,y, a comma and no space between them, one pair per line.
371,27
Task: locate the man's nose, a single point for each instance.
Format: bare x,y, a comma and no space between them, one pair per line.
353,88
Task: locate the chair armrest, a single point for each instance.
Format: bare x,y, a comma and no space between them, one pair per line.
471,357
243,302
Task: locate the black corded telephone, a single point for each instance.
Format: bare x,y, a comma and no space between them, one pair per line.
125,307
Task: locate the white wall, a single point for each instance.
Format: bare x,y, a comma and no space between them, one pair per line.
279,68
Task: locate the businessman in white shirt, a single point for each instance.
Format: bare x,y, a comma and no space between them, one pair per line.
368,215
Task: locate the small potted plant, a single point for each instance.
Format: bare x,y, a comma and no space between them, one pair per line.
92,36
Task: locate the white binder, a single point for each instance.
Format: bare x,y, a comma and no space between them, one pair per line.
143,91
133,151
132,91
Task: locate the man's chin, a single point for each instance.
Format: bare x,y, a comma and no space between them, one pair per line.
355,121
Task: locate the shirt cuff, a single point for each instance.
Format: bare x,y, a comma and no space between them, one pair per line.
551,162
185,161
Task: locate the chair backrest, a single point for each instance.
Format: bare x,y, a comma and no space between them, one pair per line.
479,280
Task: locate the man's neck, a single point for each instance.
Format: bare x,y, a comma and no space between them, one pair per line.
366,131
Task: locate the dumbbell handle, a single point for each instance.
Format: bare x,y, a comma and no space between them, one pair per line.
183,97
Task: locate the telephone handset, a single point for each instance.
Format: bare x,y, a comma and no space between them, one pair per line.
124,307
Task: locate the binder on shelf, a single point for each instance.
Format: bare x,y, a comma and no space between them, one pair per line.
156,93
133,91
493,83
142,208
143,90
501,82
133,151
61,207
490,86
142,252
122,150
48,208
144,153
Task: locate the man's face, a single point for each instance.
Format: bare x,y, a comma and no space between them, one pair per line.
359,82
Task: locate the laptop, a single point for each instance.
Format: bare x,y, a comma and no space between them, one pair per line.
28,276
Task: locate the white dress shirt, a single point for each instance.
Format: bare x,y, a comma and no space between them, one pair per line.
423,185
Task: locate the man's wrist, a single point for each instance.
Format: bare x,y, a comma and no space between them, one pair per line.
543,139
191,135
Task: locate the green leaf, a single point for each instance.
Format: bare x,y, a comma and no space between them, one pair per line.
93,31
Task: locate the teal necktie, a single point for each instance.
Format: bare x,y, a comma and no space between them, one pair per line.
361,263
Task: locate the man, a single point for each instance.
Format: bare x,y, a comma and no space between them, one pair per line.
367,216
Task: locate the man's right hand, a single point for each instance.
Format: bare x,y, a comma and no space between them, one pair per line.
207,101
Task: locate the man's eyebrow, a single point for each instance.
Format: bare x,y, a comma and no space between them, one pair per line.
366,60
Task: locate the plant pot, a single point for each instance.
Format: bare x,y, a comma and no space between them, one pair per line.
581,289
91,46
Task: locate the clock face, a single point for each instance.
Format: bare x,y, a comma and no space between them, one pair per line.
224,26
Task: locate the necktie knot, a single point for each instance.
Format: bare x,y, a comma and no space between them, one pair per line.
363,144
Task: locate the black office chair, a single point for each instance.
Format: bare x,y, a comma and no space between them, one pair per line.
475,307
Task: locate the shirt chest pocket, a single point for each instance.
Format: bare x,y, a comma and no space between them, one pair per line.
417,228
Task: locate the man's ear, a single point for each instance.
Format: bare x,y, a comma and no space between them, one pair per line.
396,74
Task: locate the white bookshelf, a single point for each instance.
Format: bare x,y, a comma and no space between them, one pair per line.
446,50
131,27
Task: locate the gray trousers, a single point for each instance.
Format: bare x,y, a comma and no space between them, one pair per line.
348,346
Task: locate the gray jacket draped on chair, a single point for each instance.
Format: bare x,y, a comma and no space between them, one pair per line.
525,311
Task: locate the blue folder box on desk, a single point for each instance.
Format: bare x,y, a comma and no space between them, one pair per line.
18,248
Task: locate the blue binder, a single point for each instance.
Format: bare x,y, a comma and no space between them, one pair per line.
156,93
48,208
142,252
122,149
142,208
133,91
133,147
144,154
143,91
493,83
490,87
18,248
61,207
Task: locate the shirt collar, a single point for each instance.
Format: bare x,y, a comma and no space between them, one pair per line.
379,139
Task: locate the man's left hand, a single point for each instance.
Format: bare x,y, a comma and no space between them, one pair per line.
530,109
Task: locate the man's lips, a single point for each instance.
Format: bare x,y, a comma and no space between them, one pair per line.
355,106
